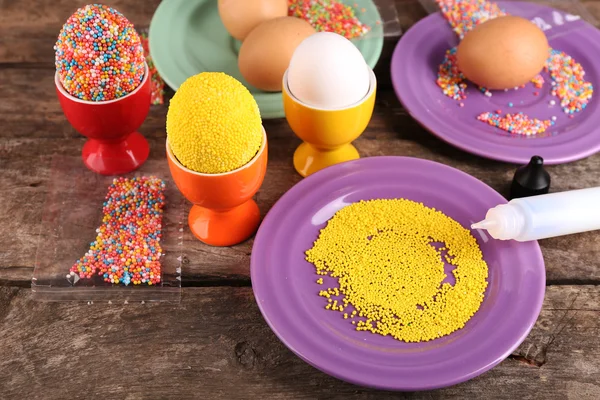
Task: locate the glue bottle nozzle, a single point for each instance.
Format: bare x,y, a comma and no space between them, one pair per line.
485,224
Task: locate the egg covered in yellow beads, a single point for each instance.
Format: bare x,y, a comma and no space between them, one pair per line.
388,257
213,124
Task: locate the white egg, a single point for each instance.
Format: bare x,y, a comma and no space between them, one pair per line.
328,71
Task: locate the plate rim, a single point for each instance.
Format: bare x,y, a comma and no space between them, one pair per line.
336,170
268,114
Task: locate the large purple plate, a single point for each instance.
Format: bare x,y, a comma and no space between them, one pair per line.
414,70
287,295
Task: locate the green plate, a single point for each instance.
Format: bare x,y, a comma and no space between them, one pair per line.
187,37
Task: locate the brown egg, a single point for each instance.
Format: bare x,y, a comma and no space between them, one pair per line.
503,53
268,49
241,16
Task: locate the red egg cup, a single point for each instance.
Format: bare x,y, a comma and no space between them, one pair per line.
114,146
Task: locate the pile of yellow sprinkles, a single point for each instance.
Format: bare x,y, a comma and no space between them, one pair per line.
390,272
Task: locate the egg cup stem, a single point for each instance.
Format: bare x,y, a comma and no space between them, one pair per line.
115,157
309,159
224,227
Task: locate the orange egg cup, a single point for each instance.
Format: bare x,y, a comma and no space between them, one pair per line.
224,212
327,133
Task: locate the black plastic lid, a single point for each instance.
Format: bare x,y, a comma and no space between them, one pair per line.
530,180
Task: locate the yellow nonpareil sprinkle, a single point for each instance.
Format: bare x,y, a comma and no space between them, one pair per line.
383,255
213,124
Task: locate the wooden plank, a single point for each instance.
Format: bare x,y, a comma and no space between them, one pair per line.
35,130
28,31
28,34
215,345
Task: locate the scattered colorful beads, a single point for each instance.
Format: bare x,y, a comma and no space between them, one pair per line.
450,79
127,248
389,257
329,16
98,54
519,124
464,15
569,81
157,83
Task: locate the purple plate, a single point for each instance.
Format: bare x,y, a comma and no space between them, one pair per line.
414,70
287,294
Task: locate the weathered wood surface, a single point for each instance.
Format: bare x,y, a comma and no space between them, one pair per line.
28,29
215,345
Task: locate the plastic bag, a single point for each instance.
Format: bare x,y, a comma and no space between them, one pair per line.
73,212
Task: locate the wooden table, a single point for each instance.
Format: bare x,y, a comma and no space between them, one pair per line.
215,344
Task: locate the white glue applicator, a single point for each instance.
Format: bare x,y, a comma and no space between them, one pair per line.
541,216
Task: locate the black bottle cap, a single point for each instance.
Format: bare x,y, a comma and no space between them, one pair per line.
530,180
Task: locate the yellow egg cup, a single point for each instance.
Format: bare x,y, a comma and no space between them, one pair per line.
327,133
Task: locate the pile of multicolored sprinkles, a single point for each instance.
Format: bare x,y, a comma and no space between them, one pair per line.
568,82
450,79
156,82
329,16
516,123
98,54
464,15
568,76
127,247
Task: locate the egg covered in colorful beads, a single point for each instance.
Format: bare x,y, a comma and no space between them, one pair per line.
213,124
99,55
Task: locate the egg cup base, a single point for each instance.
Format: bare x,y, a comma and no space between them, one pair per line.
309,159
224,227
115,157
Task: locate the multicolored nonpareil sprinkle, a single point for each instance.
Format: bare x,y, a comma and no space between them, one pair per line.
329,16
518,123
464,15
98,54
157,83
538,81
127,248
